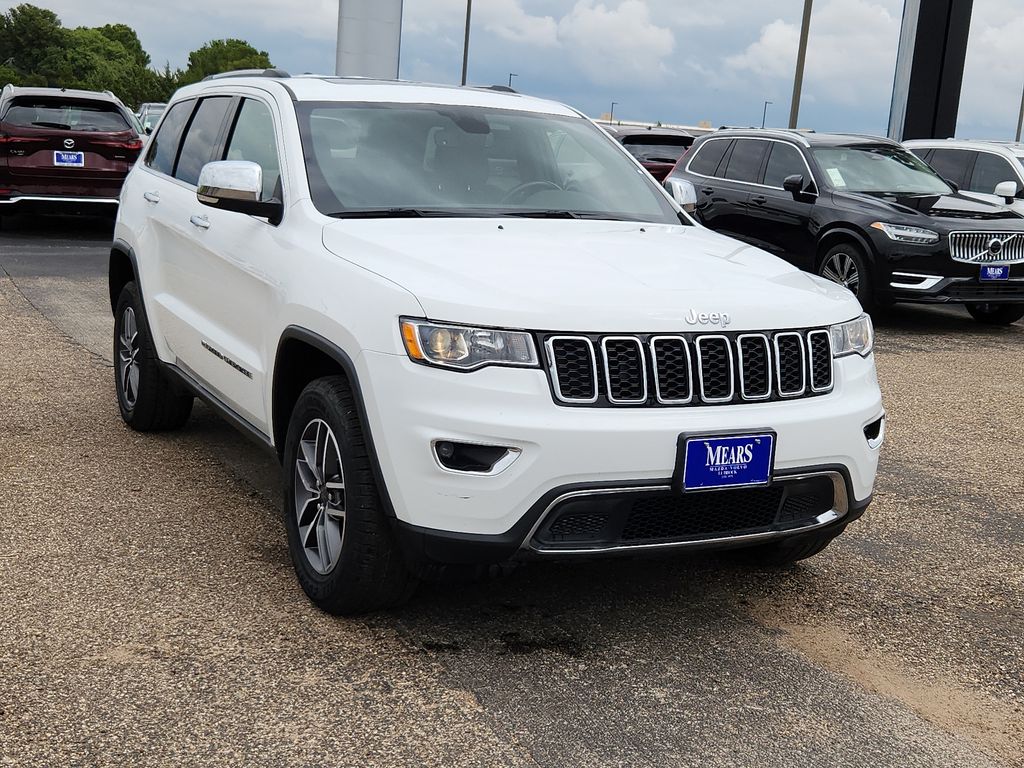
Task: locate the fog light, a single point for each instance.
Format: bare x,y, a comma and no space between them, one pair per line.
445,450
474,458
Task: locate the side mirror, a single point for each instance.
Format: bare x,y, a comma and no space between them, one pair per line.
148,129
952,185
236,185
683,193
793,184
1006,190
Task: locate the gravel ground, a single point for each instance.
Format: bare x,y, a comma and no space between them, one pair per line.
150,615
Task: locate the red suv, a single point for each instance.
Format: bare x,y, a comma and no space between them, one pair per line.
63,149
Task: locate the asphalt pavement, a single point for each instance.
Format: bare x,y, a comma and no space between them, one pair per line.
150,615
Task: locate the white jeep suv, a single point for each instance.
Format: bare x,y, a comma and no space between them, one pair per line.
474,329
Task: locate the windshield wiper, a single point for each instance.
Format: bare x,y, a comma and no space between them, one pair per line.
544,214
47,124
392,213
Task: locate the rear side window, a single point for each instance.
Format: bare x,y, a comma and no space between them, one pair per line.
163,147
990,170
96,116
202,138
785,160
952,164
252,139
709,156
745,160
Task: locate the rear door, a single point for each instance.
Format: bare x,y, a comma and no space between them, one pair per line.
67,147
727,208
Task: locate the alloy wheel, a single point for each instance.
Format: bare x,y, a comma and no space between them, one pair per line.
320,496
128,354
841,268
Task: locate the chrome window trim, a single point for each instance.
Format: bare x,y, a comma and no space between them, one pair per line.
553,368
700,368
803,364
654,367
810,361
753,183
768,363
840,508
607,374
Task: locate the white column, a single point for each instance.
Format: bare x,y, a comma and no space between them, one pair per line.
369,38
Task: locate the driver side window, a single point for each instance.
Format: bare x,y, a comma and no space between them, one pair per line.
253,139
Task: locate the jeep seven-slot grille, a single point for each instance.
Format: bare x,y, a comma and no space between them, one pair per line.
698,369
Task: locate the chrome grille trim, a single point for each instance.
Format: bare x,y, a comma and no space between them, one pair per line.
742,369
553,368
810,360
803,364
700,368
972,247
607,371
657,379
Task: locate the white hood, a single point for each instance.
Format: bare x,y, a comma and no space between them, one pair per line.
577,275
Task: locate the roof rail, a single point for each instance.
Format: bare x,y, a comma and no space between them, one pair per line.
280,73
790,133
502,88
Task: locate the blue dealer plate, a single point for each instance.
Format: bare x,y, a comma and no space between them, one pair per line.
995,273
727,462
73,159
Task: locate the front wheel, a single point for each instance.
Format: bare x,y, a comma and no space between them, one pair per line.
846,265
343,550
996,314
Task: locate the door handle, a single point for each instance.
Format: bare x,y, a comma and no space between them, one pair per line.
759,199
152,197
707,190
200,221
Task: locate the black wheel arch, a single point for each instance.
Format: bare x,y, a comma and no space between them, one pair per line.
843,234
122,268
302,356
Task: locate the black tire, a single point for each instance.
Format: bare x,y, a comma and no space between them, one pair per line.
996,314
785,552
361,568
148,399
847,254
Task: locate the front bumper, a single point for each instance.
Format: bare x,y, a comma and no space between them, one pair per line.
410,407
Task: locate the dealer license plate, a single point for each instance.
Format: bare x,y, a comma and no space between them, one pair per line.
1001,272
728,461
72,159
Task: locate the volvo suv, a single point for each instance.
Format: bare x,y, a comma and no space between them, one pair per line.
861,211
474,329
63,149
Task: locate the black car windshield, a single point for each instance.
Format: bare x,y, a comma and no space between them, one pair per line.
440,160
878,169
76,116
656,149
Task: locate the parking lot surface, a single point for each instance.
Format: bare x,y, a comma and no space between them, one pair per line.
151,615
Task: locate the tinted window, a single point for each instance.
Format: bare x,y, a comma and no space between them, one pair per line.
990,170
708,157
951,164
200,143
252,139
663,149
68,116
163,147
745,161
785,160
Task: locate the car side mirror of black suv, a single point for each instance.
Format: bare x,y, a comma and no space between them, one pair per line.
794,185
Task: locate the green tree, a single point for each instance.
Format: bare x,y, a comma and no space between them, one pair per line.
28,35
222,56
125,35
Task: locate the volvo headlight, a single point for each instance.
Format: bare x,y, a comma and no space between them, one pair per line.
904,234
466,348
856,335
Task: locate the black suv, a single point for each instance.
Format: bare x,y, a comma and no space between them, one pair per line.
861,211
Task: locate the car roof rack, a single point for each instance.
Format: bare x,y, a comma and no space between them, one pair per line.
502,88
273,72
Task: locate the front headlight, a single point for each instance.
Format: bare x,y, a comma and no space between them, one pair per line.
854,336
904,234
465,348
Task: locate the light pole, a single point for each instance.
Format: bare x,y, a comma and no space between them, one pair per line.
801,54
465,45
764,114
1020,117
510,76
611,115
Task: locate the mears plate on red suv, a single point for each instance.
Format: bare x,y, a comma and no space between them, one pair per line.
74,159
727,461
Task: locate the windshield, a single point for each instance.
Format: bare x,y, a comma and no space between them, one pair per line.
412,159
653,150
878,169
67,116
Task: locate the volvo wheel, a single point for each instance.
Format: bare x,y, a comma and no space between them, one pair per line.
996,314
148,399
845,264
341,545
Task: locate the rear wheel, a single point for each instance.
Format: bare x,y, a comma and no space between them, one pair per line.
785,551
148,399
846,265
343,550
996,314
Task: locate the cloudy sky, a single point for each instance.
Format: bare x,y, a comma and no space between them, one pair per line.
678,61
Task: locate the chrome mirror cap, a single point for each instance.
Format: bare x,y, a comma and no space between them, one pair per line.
230,180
